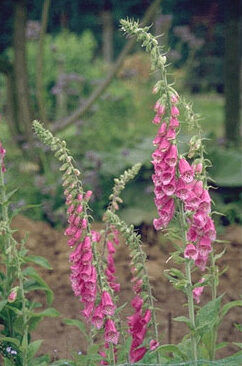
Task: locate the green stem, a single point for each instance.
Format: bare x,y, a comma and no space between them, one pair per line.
191,310
212,350
189,287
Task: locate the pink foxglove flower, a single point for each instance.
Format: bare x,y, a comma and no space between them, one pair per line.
191,252
174,111
157,119
170,157
98,317
186,171
159,108
108,308
111,334
136,355
154,344
13,295
197,292
2,155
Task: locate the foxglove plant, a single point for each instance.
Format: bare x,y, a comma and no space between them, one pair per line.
93,279
181,192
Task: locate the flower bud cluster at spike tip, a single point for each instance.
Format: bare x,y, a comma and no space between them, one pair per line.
165,159
2,155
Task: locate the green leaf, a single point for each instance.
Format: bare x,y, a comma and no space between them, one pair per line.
221,345
185,320
33,348
208,315
230,305
238,326
167,348
39,284
10,194
41,361
50,312
2,304
238,344
41,261
219,255
79,324
10,340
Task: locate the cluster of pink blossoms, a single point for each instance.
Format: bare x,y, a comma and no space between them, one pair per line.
165,161
175,177
2,155
138,323
83,272
138,328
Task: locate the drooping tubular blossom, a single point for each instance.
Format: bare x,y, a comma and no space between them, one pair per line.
2,155
111,334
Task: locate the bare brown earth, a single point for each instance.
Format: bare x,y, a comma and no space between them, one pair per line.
61,340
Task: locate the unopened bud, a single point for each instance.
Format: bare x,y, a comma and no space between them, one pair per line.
13,294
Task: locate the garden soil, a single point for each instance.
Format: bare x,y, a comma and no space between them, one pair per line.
61,340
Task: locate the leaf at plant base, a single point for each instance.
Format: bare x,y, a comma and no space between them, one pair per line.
79,324
33,347
50,312
41,261
230,305
185,320
208,315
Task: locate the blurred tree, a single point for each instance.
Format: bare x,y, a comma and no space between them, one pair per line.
232,72
19,103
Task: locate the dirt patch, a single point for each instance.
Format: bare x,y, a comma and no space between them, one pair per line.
61,340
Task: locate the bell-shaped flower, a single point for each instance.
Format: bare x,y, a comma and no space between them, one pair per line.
111,335
186,171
